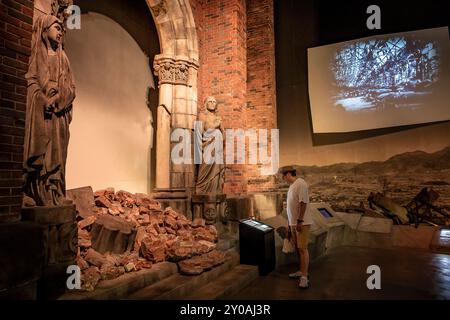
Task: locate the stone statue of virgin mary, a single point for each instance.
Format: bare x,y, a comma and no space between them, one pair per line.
51,92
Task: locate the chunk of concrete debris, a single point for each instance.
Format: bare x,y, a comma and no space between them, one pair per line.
95,258
90,278
130,267
198,222
153,250
83,198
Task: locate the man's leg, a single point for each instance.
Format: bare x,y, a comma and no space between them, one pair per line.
304,261
295,239
304,257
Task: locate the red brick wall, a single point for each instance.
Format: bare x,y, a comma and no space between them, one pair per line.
221,29
237,66
261,87
15,27
236,44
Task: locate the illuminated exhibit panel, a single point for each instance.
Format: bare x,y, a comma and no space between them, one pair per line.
383,81
323,215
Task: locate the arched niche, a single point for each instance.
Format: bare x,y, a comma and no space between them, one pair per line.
112,128
176,67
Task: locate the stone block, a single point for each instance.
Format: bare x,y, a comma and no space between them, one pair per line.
318,247
411,237
239,208
83,199
335,236
267,205
350,219
50,215
21,259
60,245
366,239
371,224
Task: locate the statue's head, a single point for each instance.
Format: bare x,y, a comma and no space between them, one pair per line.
55,32
210,104
50,30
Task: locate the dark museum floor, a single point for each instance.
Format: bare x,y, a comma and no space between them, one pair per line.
341,274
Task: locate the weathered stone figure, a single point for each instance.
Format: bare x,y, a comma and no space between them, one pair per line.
210,177
51,91
60,9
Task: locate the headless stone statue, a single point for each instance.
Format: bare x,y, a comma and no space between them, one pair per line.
51,91
210,177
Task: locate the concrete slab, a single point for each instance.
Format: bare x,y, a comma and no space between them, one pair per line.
317,247
335,236
378,225
267,205
350,219
83,198
411,237
366,239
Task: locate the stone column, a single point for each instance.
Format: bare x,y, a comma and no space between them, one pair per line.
178,110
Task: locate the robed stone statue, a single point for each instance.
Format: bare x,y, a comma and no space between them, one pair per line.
210,177
51,92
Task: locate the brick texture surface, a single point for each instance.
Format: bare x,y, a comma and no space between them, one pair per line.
237,66
261,87
15,46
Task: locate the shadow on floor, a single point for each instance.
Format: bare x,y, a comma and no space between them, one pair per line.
342,274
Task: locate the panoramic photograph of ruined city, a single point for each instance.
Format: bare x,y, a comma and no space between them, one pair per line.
347,186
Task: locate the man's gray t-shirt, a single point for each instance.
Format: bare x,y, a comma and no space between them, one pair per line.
298,192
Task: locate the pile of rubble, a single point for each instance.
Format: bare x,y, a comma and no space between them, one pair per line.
127,232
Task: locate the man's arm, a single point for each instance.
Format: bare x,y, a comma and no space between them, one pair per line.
301,215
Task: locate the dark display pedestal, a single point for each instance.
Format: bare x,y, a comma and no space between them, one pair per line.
257,245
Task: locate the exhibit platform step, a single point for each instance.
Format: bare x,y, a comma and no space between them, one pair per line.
227,285
162,281
178,286
441,241
126,284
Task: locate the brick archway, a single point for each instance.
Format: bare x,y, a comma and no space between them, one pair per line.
176,67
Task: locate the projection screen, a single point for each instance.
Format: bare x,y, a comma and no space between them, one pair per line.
382,81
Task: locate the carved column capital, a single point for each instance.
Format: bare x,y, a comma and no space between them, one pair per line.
173,70
159,9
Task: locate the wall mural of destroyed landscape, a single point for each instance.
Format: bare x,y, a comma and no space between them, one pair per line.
376,188
395,72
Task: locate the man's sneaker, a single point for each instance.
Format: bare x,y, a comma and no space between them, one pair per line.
295,275
304,283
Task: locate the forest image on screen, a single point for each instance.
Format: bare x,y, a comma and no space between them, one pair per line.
387,73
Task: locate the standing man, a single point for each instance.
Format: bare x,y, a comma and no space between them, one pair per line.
300,220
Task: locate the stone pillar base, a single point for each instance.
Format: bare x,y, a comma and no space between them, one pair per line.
212,208
21,260
60,246
177,199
